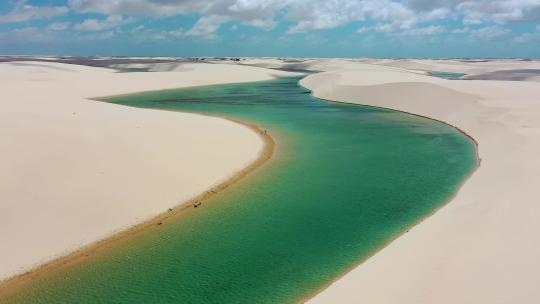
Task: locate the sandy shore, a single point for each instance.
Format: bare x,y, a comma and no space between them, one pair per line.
70,160
76,171
483,246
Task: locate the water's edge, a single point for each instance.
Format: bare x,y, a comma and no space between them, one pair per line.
421,220
101,247
11,285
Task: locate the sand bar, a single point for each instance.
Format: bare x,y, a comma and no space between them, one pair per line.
76,171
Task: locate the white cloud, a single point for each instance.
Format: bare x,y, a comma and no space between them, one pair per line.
160,8
145,35
317,15
390,28
97,36
309,15
436,14
25,36
479,11
94,25
533,37
207,25
24,12
58,26
461,30
528,38
174,34
363,30
312,15
393,27
265,24
424,31
306,15
138,28
426,5
499,11
258,13
489,33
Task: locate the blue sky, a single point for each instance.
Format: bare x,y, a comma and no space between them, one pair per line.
294,28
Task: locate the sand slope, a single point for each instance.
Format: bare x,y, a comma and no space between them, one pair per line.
518,70
483,247
74,170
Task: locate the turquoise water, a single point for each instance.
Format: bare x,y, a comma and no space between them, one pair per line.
344,181
447,75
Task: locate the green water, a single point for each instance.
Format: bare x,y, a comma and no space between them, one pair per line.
344,181
447,75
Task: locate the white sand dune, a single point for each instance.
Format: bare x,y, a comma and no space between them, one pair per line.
482,247
519,70
68,162
478,69
75,171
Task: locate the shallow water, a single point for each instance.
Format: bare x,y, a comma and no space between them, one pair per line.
448,75
344,181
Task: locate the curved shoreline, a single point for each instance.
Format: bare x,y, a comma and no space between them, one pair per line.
82,170
101,247
11,285
421,220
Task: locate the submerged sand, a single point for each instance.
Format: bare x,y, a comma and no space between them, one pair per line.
76,171
483,246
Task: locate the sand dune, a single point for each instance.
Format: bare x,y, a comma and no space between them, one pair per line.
74,170
482,247
69,162
519,70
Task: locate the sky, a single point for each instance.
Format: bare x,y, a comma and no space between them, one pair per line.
272,28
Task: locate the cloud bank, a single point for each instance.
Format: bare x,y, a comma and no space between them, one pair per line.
163,20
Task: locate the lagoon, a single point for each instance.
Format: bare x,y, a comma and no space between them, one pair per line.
344,181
